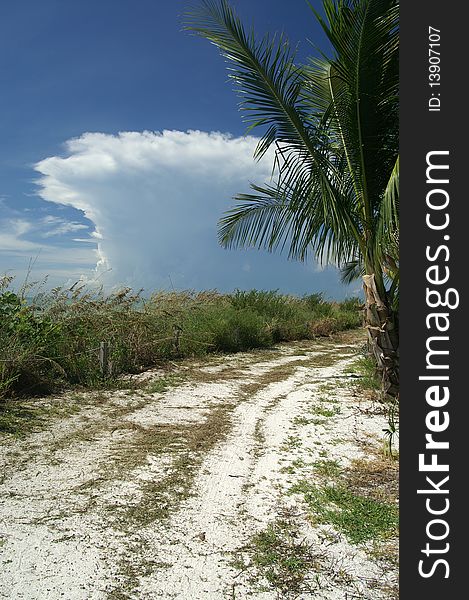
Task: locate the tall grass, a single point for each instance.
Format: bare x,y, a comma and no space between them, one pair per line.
52,339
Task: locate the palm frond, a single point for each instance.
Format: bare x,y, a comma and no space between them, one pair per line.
364,87
389,207
351,271
270,86
264,73
334,124
307,218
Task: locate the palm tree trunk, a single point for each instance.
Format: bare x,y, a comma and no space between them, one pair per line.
383,335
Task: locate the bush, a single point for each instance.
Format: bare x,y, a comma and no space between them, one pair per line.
53,339
271,304
26,337
241,329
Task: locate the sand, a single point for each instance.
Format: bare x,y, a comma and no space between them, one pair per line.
81,496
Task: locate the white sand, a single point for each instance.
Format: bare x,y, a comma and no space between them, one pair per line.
63,488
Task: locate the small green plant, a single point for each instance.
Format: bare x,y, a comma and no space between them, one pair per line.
327,468
163,383
294,466
323,411
302,421
359,518
292,442
280,557
364,369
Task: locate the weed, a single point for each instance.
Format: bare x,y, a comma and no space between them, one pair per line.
375,477
279,557
301,421
327,468
294,466
369,383
157,386
391,431
360,501
18,417
322,411
292,442
359,518
364,369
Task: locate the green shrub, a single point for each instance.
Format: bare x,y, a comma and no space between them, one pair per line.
53,339
270,304
241,329
26,337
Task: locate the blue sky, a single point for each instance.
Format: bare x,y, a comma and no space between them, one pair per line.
122,145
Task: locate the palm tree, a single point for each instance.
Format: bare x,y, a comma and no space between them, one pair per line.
333,123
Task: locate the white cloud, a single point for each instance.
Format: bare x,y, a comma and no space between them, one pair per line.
9,242
154,200
18,227
20,251
56,226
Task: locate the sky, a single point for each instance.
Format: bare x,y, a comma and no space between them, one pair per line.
122,146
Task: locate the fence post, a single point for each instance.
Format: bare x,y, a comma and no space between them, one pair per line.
104,359
176,335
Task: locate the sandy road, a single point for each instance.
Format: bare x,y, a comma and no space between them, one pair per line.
158,494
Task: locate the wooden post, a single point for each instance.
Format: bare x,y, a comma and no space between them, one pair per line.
177,334
104,359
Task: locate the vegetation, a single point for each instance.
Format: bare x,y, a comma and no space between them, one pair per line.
334,125
280,557
359,501
53,339
356,502
367,380
359,518
367,383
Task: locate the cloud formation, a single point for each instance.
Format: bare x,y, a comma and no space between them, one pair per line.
154,200
23,248
55,226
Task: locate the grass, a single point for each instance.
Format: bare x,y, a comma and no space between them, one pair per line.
359,502
327,468
364,369
184,447
323,411
302,421
294,466
367,383
50,340
161,384
19,417
292,442
280,558
360,518
375,477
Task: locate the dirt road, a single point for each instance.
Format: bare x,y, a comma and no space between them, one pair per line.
201,483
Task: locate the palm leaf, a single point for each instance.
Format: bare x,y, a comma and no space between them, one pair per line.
335,129
351,271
